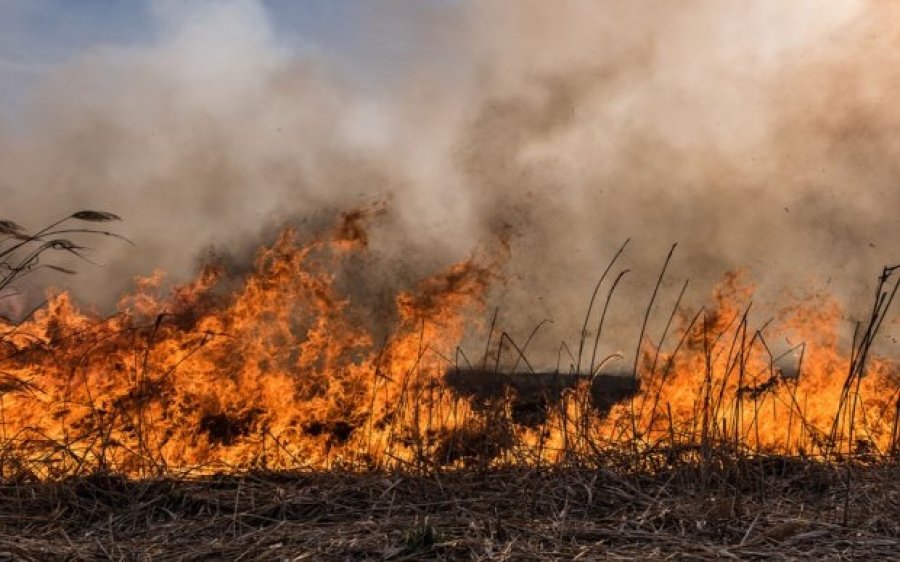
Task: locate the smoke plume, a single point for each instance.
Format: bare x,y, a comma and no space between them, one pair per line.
757,135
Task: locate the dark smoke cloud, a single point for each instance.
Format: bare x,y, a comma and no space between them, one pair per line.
757,135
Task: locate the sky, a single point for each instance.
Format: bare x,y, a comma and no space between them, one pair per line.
37,36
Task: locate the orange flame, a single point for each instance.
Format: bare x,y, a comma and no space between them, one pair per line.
283,374
277,375
723,386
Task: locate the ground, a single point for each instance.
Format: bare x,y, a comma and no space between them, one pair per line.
772,508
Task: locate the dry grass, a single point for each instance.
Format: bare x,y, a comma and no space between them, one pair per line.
772,508
699,494
21,251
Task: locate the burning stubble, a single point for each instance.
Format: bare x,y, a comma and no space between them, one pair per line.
419,298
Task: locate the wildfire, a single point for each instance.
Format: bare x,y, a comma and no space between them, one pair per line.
282,373
722,385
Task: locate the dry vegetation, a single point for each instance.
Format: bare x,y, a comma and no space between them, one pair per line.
764,508
523,467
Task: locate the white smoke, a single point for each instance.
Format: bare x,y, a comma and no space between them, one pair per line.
755,134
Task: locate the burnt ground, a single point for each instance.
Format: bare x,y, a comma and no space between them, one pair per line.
770,508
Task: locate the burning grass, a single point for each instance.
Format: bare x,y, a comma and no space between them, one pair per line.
283,374
713,444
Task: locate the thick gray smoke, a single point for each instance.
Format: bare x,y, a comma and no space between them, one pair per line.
757,135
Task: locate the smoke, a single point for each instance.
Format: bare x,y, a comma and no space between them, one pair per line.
757,135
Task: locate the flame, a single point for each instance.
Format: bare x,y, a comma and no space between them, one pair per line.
282,373
722,385
277,375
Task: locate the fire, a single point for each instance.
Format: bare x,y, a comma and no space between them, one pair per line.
284,373
277,375
722,386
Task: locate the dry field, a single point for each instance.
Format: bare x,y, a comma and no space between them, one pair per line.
768,508
258,419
